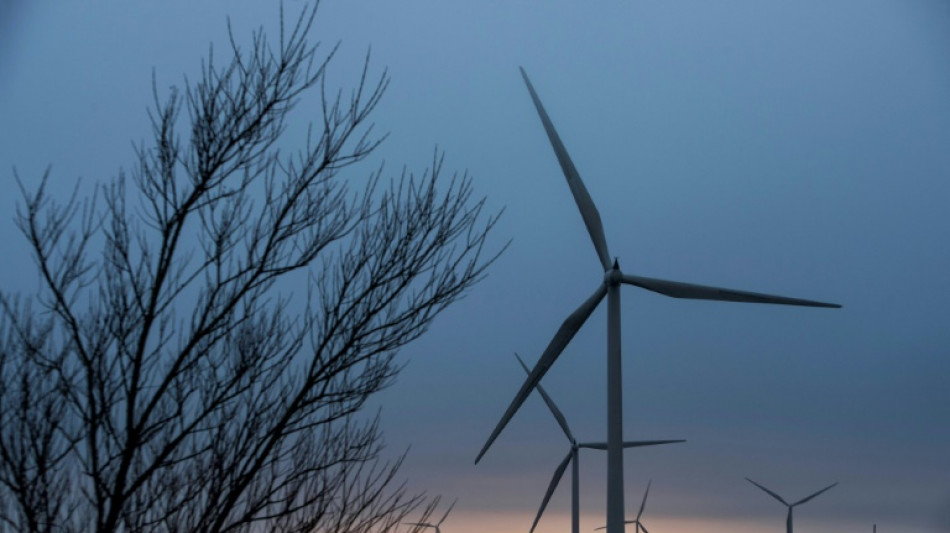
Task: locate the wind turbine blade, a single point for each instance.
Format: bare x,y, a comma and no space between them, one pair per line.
678,289
638,443
563,336
584,202
449,510
644,502
558,473
805,499
627,444
776,496
551,405
422,524
643,527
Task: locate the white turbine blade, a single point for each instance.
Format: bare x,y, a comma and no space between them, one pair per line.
806,498
772,494
558,473
449,510
644,502
643,527
584,202
678,289
563,336
551,405
627,444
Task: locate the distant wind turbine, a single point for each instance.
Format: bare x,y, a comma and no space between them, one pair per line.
436,525
788,521
639,513
573,458
610,286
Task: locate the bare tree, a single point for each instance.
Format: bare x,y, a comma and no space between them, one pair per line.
171,374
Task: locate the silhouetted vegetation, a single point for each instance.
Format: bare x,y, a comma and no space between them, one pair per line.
210,324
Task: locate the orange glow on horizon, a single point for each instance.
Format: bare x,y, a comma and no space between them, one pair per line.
461,521
553,522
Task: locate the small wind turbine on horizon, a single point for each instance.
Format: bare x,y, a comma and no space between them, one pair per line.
639,513
609,286
436,525
788,520
574,459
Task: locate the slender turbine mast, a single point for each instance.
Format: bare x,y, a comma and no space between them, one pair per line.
574,459
639,513
437,524
610,286
788,519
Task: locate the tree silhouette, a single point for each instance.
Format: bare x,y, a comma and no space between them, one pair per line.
210,324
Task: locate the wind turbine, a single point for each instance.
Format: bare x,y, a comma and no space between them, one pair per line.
639,513
573,458
436,525
610,286
788,521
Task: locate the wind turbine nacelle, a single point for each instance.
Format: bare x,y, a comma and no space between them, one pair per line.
613,277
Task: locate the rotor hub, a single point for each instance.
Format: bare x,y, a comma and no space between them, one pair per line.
613,277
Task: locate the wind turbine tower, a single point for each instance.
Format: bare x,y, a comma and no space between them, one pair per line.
609,286
637,521
788,520
573,458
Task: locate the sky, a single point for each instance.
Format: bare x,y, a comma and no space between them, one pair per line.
795,148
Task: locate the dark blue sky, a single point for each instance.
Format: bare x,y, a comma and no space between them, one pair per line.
794,148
